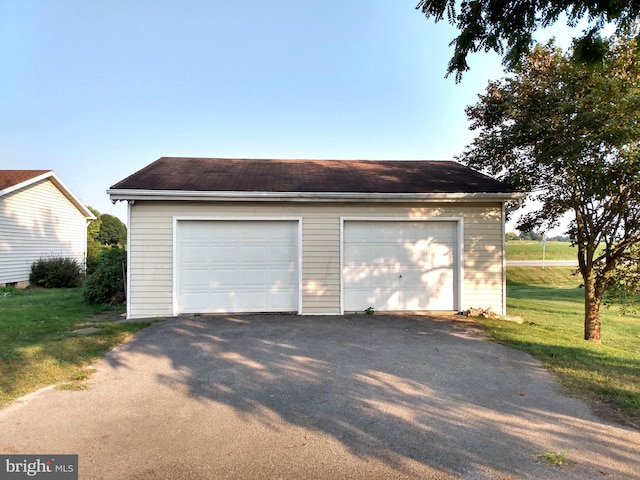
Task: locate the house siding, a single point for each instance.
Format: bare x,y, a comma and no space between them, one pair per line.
151,249
38,221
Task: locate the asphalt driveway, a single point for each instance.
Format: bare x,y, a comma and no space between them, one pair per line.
289,397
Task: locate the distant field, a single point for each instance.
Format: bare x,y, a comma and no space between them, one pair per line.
532,250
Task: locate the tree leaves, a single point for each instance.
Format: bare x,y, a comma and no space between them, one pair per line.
569,134
506,26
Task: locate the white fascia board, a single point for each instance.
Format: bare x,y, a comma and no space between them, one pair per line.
59,184
26,183
168,195
71,196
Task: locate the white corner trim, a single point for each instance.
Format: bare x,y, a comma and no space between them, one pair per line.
128,283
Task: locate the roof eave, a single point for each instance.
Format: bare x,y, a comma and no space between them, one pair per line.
236,196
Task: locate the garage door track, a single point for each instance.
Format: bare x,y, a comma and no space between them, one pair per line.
290,397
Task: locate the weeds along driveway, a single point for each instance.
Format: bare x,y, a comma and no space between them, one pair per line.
290,397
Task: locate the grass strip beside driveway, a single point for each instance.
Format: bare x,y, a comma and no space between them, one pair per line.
38,343
551,303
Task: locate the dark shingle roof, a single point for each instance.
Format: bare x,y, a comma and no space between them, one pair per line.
9,178
334,176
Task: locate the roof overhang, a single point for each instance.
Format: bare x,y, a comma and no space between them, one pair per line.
53,178
235,196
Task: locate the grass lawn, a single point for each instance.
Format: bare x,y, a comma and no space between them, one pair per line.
39,347
532,250
607,375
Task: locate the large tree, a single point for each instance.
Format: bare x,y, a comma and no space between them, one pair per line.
93,229
112,230
507,26
569,134
93,244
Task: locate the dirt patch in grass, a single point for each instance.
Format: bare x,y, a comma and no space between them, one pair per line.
612,412
108,316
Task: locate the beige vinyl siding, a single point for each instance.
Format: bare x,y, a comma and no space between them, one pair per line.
38,221
151,247
483,285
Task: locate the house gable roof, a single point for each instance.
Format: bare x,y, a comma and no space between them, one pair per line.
12,180
213,177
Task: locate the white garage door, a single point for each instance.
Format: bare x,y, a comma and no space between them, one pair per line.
393,265
237,266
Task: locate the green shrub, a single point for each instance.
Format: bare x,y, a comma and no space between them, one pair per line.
94,250
56,272
107,279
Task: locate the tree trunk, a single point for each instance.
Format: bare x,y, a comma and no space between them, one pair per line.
592,325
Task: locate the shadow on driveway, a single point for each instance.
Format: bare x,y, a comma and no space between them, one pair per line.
390,388
275,396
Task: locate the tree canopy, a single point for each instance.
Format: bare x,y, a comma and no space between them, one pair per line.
112,231
93,229
569,134
507,26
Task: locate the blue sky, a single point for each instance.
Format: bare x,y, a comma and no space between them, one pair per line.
96,90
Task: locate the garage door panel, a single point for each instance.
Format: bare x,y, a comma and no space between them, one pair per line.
225,253
398,265
219,298
253,300
385,275
237,266
199,278
413,275
357,254
440,255
280,253
357,277
386,299
280,277
254,278
378,298
219,277
386,254
195,253
253,254
414,300
280,299
196,301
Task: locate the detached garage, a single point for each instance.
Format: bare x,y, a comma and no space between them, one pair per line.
212,235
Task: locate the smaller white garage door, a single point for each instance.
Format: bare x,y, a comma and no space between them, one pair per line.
237,266
400,265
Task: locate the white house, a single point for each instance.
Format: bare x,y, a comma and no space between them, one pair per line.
39,217
312,236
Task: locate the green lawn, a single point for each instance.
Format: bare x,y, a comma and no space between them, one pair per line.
551,303
532,250
39,347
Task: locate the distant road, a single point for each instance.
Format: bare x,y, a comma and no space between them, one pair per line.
539,263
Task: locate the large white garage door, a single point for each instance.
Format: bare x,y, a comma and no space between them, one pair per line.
394,265
237,266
